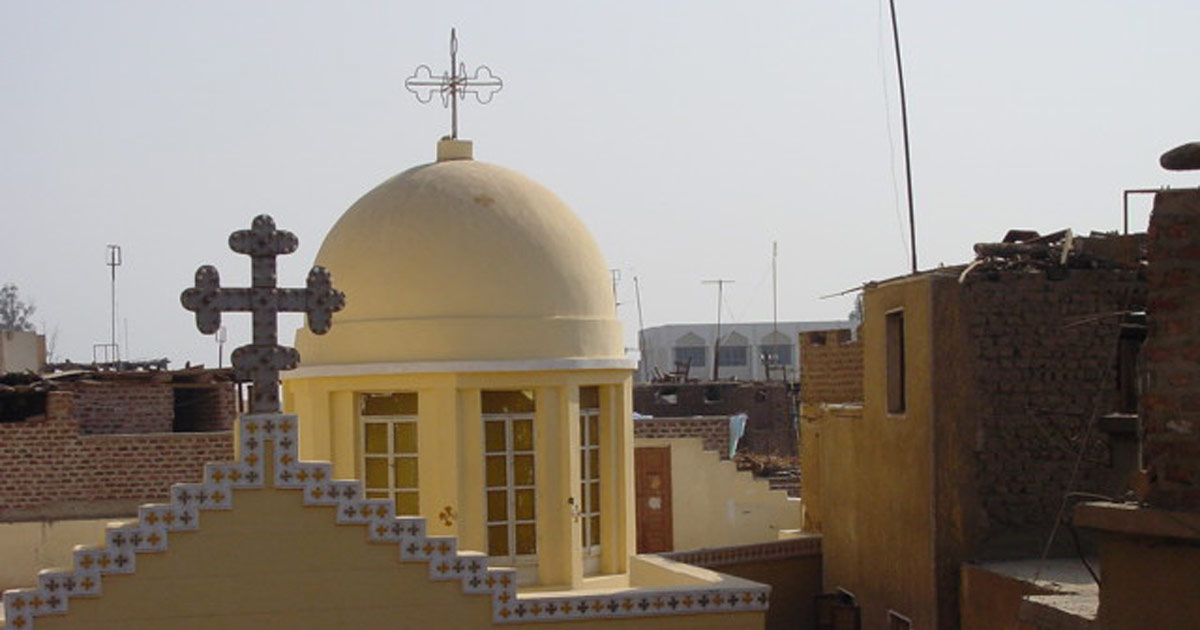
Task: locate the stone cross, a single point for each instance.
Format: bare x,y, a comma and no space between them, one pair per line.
261,361
455,85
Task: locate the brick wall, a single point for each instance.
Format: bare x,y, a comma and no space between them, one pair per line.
831,367
1170,403
1046,356
770,407
713,430
122,406
48,461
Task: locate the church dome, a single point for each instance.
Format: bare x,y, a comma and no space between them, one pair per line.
460,260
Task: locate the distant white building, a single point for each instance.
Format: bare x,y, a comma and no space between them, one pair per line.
746,349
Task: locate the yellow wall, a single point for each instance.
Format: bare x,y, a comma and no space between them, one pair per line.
1149,583
273,561
876,473
32,546
716,505
992,601
885,488
450,435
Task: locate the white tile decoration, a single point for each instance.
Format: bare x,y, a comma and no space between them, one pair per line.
150,532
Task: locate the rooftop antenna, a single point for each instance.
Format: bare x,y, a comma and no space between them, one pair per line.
616,278
637,292
720,282
775,285
912,224
454,85
114,261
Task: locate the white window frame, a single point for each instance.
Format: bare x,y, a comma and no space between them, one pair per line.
589,481
511,486
390,421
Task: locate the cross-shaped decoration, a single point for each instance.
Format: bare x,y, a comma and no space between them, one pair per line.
455,85
261,361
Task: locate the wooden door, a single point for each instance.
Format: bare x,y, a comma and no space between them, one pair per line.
652,470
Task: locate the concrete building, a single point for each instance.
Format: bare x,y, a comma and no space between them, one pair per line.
747,349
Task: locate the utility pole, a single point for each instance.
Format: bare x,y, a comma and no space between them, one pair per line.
114,261
720,282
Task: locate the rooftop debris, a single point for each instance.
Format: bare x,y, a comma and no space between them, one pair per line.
1027,250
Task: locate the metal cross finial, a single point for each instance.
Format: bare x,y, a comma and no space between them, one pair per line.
262,360
455,85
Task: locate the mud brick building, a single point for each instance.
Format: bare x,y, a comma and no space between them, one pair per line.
769,406
983,387
97,444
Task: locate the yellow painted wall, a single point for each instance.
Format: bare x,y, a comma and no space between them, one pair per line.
794,581
1149,583
450,434
716,505
29,547
272,561
992,601
876,473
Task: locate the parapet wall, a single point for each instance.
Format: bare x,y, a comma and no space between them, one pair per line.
831,367
52,470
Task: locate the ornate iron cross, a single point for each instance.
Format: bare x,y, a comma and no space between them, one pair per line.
455,85
261,361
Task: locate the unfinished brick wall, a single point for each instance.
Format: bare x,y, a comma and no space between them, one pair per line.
831,367
122,406
770,407
48,461
1046,365
1171,399
202,408
713,430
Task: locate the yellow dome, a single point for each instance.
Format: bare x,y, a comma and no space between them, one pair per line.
464,261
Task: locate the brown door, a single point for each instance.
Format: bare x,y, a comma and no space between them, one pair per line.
652,469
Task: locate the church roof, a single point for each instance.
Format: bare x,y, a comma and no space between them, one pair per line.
463,260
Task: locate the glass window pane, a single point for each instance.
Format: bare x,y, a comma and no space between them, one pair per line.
405,438
594,531
524,507
376,494
497,505
522,435
376,473
494,436
408,504
497,540
497,472
515,401
406,472
589,397
526,539
397,404
583,462
594,430
594,462
523,470
594,497
376,437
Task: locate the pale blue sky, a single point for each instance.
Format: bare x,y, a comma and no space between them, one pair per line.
687,135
